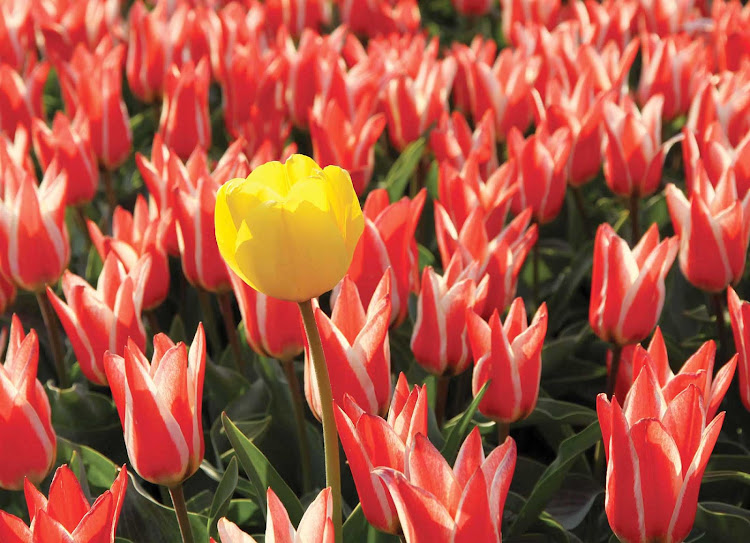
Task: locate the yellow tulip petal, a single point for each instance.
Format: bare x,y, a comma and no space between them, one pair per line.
272,175
292,252
300,167
244,197
226,233
353,222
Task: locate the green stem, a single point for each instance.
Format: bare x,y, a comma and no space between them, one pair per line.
209,322
612,375
225,305
717,302
109,190
635,227
330,436
48,314
503,429
180,509
153,321
441,398
299,416
81,221
581,206
535,269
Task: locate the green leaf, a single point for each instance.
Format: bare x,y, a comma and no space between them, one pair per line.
722,476
222,497
403,169
554,475
260,471
721,521
549,411
356,528
461,428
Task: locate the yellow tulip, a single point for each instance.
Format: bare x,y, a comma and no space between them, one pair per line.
289,230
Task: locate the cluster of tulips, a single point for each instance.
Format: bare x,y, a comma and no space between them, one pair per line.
238,93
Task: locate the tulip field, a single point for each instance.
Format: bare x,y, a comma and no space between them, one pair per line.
374,271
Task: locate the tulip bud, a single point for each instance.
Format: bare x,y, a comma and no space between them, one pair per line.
133,237
509,355
160,407
67,515
738,314
541,161
356,348
439,340
455,145
27,439
316,525
289,230
71,144
16,33
380,18
146,64
297,15
473,7
407,417
434,499
657,451
21,96
627,287
389,234
104,318
34,243
711,222
184,121
528,13
273,327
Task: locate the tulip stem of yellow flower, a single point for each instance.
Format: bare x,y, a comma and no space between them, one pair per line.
635,227
299,416
503,430
717,301
441,398
209,322
50,322
330,436
225,306
180,509
612,375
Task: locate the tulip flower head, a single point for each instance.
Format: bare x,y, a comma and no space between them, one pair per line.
316,525
27,439
444,505
657,451
66,515
289,230
371,442
627,289
160,407
509,355
739,313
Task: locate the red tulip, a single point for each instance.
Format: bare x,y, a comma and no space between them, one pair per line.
15,152
21,96
509,355
673,66
719,157
711,222
627,287
7,293
316,525
380,18
412,104
184,121
34,244
94,83
664,17
389,234
71,144
540,163
443,505
497,261
67,516
297,15
454,144
439,340
160,406
104,318
273,327
145,65
528,13
356,347
723,100
608,21
371,442
473,7
27,439
657,451
698,370
346,142
738,314
634,155
194,212
16,33
134,236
